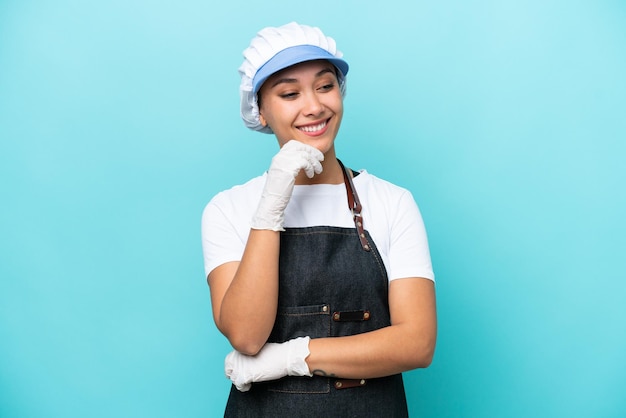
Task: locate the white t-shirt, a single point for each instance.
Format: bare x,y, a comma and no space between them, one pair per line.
389,213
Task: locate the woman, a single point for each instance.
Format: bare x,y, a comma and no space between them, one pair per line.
320,276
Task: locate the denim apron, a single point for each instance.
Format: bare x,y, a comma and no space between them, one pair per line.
332,283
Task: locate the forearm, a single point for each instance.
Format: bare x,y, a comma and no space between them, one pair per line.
378,353
407,344
248,309
244,294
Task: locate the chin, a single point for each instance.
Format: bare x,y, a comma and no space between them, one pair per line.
324,143
324,146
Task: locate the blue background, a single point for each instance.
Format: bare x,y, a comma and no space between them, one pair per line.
119,121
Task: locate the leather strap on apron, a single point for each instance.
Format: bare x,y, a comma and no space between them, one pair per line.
355,206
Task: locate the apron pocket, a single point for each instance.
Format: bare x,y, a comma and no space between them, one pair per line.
300,385
301,321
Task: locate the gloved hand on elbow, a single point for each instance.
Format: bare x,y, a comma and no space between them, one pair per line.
275,360
281,176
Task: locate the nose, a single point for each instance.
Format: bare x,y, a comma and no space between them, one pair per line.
313,104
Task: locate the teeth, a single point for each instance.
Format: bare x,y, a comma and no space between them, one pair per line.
313,128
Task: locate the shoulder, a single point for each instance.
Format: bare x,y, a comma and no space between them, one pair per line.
366,178
389,206
386,204
394,221
239,194
383,190
234,204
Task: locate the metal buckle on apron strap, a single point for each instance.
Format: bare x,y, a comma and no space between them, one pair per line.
354,204
349,383
351,316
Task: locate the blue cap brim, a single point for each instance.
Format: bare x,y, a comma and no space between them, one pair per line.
292,56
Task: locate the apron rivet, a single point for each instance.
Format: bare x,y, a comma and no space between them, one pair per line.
325,308
338,384
362,382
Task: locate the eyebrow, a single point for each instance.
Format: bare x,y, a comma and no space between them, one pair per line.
295,80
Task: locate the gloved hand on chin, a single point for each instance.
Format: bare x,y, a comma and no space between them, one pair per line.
281,176
275,360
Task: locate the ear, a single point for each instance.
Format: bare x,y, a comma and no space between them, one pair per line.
262,120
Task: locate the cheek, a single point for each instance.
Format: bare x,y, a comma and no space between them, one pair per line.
277,117
266,113
339,102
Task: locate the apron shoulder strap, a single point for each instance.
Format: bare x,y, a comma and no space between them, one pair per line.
354,204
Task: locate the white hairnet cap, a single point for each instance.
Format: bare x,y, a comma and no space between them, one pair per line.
274,49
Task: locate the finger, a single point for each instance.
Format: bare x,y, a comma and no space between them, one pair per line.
302,161
308,169
244,387
315,153
315,157
314,165
294,145
242,384
317,166
291,144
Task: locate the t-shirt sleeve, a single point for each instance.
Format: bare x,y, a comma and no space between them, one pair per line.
221,241
409,255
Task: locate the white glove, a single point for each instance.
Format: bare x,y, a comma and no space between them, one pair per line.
275,360
281,176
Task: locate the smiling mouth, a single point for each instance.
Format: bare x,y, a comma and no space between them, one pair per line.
314,128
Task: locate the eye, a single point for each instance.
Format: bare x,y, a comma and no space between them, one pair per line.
327,87
289,95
